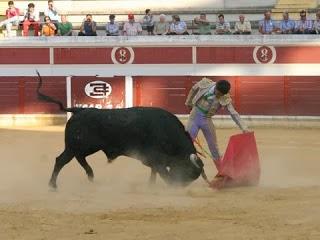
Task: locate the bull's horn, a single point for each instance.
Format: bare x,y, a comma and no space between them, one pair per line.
193,159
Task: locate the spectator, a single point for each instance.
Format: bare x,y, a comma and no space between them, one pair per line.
48,28
286,26
242,26
88,27
203,24
31,18
222,27
112,28
132,28
266,25
64,27
304,25
161,27
52,13
316,24
148,21
177,26
12,15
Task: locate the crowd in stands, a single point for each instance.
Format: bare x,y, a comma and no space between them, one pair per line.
55,24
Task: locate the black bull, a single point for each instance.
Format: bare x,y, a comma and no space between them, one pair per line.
154,136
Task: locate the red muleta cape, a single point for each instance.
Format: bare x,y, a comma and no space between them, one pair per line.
240,164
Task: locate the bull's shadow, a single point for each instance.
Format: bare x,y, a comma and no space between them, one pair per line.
153,135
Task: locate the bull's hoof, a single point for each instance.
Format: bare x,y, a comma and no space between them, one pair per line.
91,178
53,186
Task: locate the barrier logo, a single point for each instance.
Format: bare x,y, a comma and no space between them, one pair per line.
264,54
122,55
98,89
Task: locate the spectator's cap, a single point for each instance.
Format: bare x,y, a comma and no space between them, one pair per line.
130,16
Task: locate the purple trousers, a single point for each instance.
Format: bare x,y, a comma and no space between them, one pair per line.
198,121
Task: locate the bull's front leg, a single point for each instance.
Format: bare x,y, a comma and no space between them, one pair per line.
153,177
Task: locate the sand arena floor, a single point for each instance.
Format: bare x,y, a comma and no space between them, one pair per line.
121,205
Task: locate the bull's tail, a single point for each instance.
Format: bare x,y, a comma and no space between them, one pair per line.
43,97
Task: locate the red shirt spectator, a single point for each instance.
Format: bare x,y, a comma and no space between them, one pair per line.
12,11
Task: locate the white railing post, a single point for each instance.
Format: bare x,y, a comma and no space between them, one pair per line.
69,92
128,91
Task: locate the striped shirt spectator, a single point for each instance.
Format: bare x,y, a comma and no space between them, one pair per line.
266,25
177,26
132,28
316,24
112,28
304,25
222,27
287,25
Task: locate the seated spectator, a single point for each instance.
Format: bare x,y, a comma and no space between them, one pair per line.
52,13
48,28
316,24
177,27
64,27
88,27
112,28
203,24
161,27
132,28
222,27
242,26
266,25
304,25
286,26
148,21
31,18
12,15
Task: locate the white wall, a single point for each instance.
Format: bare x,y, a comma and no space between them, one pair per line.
127,6
249,3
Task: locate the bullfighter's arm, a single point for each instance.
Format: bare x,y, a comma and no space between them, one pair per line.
236,117
191,95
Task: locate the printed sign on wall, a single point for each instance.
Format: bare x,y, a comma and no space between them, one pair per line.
92,92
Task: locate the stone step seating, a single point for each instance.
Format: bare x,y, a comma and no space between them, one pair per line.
294,7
